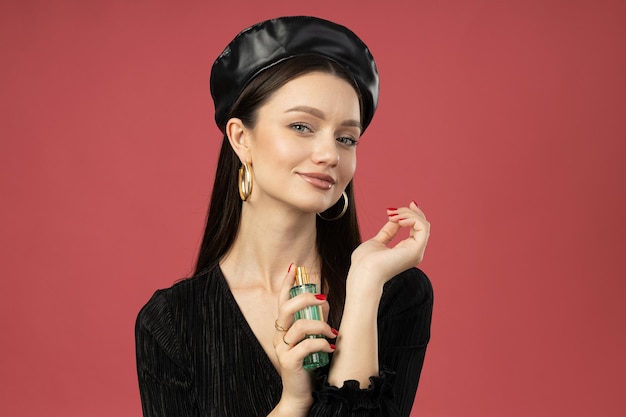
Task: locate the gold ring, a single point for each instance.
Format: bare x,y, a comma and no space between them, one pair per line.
286,342
278,326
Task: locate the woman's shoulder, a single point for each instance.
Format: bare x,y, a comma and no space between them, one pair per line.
182,295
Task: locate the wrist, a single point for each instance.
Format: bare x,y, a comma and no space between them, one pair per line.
361,283
286,408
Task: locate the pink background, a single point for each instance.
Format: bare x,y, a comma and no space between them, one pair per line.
505,120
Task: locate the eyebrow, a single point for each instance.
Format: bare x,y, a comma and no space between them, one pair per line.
320,115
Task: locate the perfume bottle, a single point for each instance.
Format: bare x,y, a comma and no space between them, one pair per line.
318,359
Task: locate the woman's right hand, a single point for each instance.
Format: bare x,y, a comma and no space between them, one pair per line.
291,347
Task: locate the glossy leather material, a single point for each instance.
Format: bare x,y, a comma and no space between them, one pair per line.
267,43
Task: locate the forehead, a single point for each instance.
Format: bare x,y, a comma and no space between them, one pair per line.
329,93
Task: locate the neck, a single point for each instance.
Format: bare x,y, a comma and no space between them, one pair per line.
267,242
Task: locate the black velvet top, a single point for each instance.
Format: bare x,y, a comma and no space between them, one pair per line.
197,356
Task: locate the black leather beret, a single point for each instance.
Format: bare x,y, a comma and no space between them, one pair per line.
267,43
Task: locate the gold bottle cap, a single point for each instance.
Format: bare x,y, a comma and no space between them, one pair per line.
301,276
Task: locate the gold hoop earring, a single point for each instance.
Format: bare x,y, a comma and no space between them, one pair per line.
245,181
343,210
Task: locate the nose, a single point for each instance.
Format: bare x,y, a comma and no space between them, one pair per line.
325,151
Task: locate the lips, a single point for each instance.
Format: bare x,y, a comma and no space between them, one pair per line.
319,180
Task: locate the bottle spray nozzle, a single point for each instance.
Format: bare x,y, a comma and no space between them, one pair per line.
301,276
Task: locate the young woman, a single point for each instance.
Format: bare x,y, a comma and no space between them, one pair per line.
293,96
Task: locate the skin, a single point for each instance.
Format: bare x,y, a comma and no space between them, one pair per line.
303,153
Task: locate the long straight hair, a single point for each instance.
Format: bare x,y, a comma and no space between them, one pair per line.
335,239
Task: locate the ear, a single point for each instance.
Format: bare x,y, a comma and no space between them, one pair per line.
239,138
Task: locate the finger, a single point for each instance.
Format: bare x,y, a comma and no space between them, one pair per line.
419,227
417,240
400,214
413,206
411,216
312,345
286,320
300,302
387,233
303,328
325,310
288,309
288,281
420,223
294,356
404,212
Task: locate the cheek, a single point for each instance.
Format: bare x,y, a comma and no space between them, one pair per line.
278,152
283,156
348,167
283,150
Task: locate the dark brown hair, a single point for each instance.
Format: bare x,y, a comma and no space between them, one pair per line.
335,239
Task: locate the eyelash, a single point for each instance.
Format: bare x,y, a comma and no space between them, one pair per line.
304,128
298,127
350,141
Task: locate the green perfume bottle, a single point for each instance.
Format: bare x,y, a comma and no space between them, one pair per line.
302,285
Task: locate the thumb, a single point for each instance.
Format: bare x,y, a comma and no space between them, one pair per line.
287,284
386,234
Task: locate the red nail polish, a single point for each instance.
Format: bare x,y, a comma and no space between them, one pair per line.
335,332
289,269
333,347
401,219
415,203
320,296
391,208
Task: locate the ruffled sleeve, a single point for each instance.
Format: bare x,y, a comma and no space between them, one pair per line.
351,400
404,319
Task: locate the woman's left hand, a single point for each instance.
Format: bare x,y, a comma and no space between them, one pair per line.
374,263
378,259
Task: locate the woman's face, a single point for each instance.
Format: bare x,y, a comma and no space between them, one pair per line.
303,147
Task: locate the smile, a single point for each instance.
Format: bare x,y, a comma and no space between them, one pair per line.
321,181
